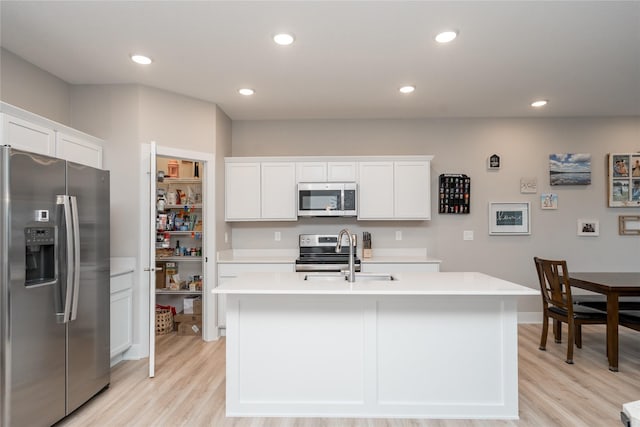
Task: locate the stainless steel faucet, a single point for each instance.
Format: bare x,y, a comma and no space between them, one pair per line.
352,273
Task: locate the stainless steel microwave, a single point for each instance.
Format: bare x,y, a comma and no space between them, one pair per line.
327,199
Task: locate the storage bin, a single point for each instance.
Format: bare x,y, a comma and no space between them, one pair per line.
164,321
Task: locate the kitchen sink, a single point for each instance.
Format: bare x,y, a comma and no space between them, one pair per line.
360,277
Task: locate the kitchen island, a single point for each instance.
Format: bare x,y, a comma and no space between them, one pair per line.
424,345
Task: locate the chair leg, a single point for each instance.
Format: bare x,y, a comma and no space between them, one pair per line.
570,341
578,334
557,330
545,331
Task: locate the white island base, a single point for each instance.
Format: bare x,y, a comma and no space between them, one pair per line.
367,352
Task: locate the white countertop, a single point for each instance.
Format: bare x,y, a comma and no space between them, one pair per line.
405,284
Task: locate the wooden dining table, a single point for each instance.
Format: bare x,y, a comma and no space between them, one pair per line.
614,286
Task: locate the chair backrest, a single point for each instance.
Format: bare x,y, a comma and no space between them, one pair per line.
554,283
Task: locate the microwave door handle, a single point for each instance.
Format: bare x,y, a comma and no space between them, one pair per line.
68,289
76,257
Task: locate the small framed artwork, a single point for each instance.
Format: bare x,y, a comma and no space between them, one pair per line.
588,227
570,169
528,185
549,201
493,162
629,225
509,219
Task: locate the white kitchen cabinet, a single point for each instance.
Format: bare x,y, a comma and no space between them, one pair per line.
278,191
78,150
121,313
29,132
24,135
242,191
326,171
311,172
341,172
256,191
394,190
375,190
412,190
227,272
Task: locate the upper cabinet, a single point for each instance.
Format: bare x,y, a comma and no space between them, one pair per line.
260,191
28,136
30,132
78,150
394,190
390,188
326,171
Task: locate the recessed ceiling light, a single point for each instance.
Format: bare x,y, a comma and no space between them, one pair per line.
446,36
539,103
141,59
283,39
407,89
246,91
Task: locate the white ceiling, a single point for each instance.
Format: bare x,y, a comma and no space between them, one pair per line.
349,58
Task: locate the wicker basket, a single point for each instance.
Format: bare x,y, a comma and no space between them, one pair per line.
164,321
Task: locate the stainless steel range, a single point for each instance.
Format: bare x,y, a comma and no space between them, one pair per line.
318,253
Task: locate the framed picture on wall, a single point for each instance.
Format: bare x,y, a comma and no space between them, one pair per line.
509,218
624,180
588,227
549,201
570,169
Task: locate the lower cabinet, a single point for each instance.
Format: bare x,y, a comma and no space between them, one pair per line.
420,267
121,314
228,271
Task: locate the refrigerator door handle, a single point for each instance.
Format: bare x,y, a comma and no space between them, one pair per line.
76,257
64,201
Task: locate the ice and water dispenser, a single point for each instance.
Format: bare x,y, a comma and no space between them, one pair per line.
40,247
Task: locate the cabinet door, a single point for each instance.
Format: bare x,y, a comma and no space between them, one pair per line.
412,190
22,135
279,191
79,151
242,191
341,171
375,190
311,172
121,321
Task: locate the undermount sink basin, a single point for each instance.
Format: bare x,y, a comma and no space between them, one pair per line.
360,277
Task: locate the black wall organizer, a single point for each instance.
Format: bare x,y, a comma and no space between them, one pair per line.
455,194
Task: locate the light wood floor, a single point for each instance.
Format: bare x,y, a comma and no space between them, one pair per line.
189,389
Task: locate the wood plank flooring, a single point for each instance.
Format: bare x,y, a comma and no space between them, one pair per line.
189,388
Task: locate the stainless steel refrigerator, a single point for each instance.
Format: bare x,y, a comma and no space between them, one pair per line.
54,286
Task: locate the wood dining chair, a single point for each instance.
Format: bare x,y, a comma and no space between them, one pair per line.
557,304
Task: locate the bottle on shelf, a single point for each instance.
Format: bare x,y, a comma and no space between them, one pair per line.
178,250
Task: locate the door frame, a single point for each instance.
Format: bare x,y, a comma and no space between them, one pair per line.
146,304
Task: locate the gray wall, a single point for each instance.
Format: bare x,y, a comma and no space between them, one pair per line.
463,146
33,89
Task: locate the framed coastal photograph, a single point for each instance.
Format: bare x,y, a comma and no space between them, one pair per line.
570,169
588,227
509,218
549,201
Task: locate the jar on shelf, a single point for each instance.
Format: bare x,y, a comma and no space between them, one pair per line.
173,169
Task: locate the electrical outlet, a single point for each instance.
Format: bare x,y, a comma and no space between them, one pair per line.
277,236
467,235
226,237
398,235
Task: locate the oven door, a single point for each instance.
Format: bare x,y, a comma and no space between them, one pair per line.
320,199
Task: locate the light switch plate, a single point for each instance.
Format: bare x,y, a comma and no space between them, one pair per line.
467,235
